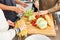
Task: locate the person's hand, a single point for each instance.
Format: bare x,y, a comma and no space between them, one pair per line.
23,26
24,5
10,23
43,12
36,4
18,10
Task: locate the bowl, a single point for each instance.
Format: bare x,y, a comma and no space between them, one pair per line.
37,37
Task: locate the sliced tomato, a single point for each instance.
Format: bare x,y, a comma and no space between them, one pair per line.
33,22
37,16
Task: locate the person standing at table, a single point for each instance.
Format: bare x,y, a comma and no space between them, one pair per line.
48,6
10,10
6,34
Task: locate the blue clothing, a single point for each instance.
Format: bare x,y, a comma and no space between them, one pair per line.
10,15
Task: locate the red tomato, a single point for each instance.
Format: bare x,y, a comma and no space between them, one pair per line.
37,16
33,22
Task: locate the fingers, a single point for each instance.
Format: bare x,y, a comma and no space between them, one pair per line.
11,23
21,10
36,4
38,13
43,12
24,5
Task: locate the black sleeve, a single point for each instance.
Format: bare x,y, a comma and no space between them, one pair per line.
35,9
2,1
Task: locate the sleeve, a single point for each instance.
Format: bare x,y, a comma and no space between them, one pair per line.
55,8
7,35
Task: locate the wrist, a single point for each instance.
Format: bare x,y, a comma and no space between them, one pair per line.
49,10
17,30
12,8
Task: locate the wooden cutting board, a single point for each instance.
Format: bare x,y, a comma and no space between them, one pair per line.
49,31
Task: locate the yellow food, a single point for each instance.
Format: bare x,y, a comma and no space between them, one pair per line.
47,17
24,31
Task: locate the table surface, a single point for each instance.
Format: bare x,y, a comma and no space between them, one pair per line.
57,37
57,33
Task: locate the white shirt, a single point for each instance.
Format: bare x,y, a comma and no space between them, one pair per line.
5,34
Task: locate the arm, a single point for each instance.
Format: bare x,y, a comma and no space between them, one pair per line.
12,8
21,3
10,34
6,34
55,8
18,1
5,7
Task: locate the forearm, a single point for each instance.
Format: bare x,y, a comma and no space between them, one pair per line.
5,7
19,2
54,9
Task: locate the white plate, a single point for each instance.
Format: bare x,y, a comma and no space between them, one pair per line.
37,37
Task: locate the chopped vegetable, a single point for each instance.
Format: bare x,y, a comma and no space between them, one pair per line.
37,16
28,13
31,17
33,22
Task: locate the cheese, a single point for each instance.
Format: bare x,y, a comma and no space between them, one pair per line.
24,31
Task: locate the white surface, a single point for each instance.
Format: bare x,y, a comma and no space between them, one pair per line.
3,23
37,37
5,34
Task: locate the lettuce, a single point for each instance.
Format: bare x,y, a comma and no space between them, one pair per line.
28,13
32,17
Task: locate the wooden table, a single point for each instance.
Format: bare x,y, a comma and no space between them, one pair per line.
49,31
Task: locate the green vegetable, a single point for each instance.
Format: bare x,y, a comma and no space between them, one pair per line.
28,13
41,23
32,17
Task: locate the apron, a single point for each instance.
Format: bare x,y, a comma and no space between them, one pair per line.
10,15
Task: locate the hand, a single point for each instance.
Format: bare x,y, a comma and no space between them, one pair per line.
18,10
36,4
24,4
23,26
10,23
43,12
